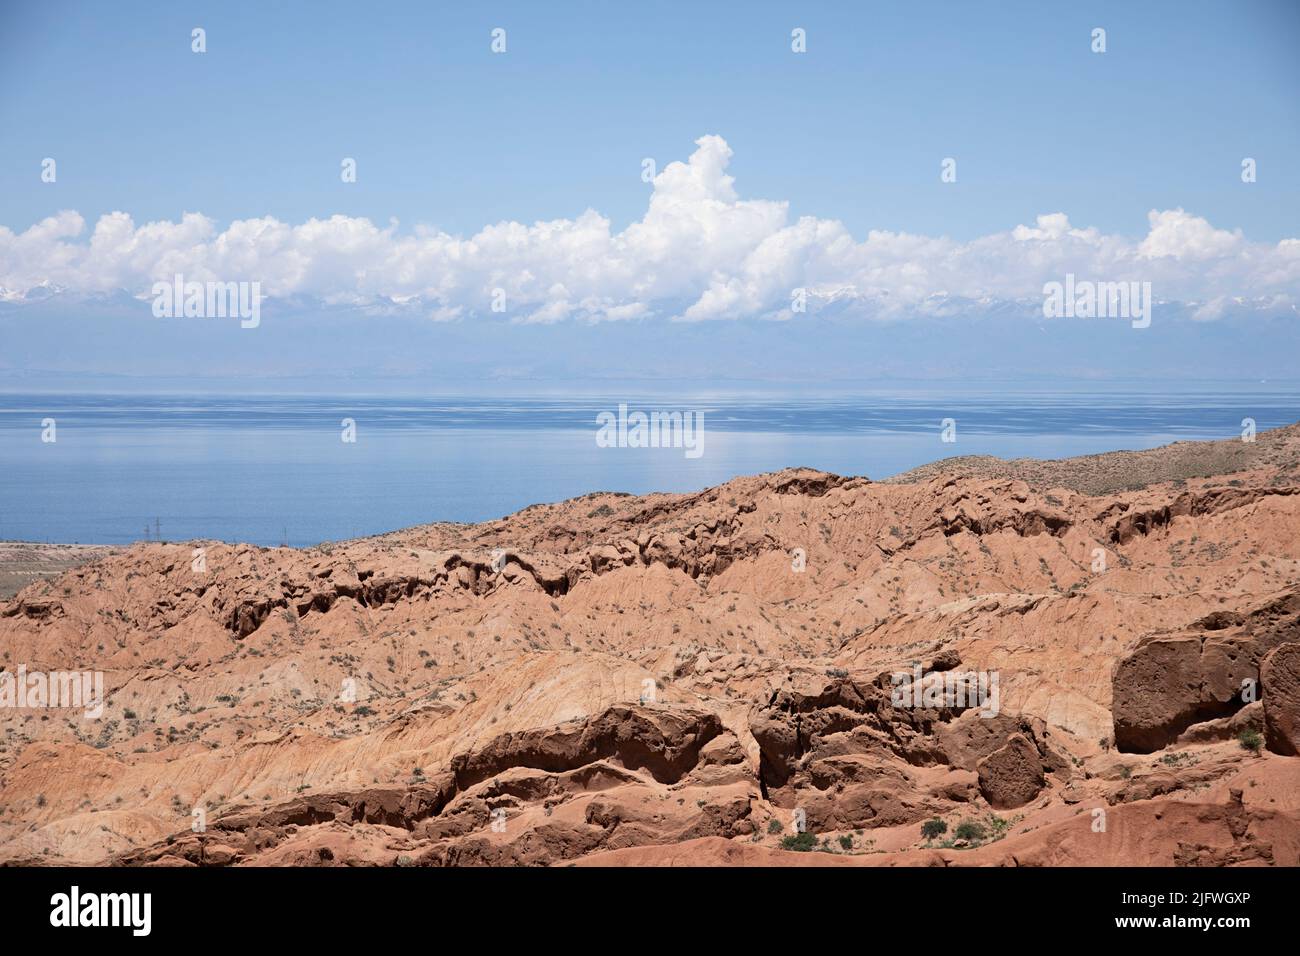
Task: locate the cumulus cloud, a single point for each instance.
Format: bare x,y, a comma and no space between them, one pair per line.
700,252
1175,233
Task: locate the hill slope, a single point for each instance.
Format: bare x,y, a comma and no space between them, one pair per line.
678,678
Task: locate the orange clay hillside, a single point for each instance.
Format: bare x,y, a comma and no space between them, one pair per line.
726,677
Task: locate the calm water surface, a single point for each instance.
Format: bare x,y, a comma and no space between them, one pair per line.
275,469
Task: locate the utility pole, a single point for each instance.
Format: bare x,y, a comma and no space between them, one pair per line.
157,530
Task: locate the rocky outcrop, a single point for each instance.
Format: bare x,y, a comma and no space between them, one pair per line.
1215,501
843,755
616,674
1250,717
1280,683
666,744
1161,689
452,820
1012,775
1168,683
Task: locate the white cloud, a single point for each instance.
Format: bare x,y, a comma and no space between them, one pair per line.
1054,226
700,252
1175,233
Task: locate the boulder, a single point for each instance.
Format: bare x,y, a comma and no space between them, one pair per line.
1013,775
1279,679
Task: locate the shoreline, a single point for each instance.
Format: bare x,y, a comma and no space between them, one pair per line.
24,562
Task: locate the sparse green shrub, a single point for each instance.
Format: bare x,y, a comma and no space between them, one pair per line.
972,831
932,828
998,826
799,842
1251,740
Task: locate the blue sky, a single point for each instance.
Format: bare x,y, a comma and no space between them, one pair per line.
447,134
776,172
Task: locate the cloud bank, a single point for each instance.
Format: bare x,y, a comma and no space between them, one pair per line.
700,252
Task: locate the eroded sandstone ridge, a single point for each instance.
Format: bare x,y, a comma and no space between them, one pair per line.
697,678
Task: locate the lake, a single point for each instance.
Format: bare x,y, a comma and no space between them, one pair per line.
277,469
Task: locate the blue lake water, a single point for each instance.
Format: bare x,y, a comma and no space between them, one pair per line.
275,469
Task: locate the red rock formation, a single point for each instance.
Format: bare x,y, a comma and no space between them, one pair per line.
654,679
